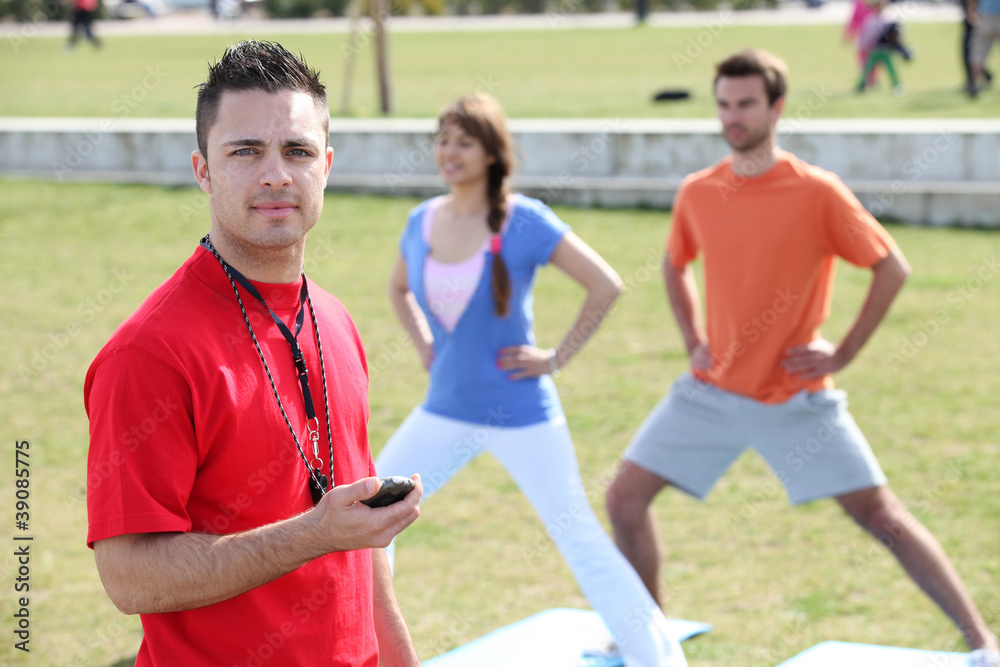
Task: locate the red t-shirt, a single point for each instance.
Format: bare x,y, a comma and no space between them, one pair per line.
769,245
186,435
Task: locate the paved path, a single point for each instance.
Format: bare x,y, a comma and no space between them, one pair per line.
190,22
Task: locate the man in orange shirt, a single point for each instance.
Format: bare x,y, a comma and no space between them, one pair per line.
769,228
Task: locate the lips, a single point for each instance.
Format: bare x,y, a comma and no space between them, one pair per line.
275,209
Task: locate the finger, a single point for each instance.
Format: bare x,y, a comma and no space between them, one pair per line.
418,488
401,514
794,362
798,366
347,494
509,363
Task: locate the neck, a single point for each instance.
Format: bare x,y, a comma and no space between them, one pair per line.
470,199
270,265
757,160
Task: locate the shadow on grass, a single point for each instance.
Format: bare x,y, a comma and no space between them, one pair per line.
125,662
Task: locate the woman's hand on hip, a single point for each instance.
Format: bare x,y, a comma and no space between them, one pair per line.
524,361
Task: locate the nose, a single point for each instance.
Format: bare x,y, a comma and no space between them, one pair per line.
445,149
274,172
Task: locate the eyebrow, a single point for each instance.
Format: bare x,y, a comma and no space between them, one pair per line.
295,142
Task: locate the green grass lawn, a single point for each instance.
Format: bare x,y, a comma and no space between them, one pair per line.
558,73
77,259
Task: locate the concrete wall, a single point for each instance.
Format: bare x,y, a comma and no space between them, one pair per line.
936,172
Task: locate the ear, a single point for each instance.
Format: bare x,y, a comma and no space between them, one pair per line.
329,159
779,107
200,167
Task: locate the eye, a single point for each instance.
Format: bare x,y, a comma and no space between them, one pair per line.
245,151
298,152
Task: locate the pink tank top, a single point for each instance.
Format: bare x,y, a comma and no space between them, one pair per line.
449,286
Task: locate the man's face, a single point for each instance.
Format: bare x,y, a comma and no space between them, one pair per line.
266,168
748,120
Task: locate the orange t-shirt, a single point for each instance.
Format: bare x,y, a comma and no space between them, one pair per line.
769,245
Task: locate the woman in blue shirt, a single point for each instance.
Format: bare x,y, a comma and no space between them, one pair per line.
462,288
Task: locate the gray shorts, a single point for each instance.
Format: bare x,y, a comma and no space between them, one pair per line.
984,34
810,441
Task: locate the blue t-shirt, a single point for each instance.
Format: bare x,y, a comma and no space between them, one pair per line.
991,7
465,382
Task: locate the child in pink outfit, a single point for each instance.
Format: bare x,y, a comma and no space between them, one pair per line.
852,32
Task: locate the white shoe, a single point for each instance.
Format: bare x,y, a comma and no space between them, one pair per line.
984,657
602,655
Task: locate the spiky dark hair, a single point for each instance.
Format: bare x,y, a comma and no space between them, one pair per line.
253,65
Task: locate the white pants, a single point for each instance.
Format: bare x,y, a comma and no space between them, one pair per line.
541,460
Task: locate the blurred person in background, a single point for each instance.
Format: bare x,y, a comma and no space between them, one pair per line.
769,228
82,19
984,16
462,289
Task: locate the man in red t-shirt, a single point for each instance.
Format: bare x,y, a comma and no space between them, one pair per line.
228,415
769,228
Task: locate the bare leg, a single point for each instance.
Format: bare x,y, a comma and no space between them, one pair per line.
882,514
629,500
977,78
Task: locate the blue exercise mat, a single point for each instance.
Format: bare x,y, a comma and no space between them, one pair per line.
845,654
553,638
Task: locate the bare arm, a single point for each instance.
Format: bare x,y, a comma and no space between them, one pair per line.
162,572
603,285
972,11
409,314
821,357
395,648
683,294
